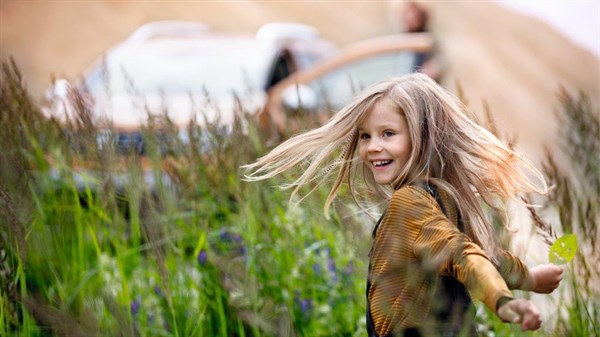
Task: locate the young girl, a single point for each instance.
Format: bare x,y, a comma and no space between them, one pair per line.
408,141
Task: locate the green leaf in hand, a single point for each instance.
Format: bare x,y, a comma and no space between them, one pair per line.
563,250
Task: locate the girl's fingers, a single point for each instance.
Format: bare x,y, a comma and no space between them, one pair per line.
546,278
523,312
531,322
531,317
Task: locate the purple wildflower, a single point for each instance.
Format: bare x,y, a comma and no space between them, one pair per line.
202,257
224,234
135,306
350,268
305,305
317,268
331,265
332,269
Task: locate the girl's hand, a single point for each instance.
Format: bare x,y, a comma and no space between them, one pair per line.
543,278
520,311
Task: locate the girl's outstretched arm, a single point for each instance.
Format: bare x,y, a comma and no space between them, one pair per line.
414,239
441,247
540,279
513,270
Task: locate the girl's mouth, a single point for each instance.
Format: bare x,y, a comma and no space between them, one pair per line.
381,163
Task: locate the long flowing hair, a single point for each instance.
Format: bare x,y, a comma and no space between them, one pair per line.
452,151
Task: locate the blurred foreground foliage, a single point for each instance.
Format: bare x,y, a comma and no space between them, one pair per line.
89,247
199,252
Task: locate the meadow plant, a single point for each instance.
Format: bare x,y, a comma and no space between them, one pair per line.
91,248
576,198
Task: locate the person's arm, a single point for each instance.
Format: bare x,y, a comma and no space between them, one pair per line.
514,272
441,247
417,227
540,279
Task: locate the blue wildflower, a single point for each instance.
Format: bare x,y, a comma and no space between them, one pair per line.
317,268
224,234
202,257
331,265
305,305
332,269
135,306
350,268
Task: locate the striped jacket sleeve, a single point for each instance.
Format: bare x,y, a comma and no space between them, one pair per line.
442,248
513,270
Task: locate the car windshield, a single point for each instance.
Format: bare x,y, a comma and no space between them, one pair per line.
335,89
180,67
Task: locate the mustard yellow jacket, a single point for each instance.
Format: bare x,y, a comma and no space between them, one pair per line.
414,240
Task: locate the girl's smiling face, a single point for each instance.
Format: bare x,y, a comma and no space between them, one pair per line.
384,142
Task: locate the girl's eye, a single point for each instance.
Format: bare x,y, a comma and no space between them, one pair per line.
388,133
364,136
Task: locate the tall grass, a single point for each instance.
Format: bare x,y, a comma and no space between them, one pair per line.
574,174
198,252
577,199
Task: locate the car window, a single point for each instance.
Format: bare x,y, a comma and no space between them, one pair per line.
336,88
281,70
305,60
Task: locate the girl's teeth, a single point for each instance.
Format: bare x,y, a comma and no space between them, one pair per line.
381,163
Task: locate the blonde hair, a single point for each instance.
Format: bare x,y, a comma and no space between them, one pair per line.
455,153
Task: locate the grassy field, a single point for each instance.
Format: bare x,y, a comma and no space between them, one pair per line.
201,252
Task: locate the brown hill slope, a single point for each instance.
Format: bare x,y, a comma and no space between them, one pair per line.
64,37
514,62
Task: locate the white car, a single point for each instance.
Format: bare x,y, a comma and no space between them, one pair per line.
185,70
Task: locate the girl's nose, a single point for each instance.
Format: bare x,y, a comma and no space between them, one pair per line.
374,146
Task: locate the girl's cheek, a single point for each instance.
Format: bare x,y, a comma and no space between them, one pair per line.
361,150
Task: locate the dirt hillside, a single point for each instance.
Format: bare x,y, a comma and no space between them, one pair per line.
513,62
64,37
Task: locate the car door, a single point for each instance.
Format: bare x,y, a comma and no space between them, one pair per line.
321,90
